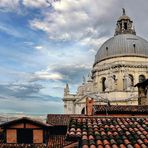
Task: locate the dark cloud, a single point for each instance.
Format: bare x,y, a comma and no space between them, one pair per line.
72,74
27,98
25,92
20,90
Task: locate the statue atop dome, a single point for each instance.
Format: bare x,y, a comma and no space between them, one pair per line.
123,11
124,25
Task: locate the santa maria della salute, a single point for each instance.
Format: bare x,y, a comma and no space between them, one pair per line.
109,108
120,63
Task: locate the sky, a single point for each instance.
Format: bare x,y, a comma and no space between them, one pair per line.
45,44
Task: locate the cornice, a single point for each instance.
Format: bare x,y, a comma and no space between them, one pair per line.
118,65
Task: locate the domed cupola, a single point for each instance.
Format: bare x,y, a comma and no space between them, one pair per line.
124,25
125,42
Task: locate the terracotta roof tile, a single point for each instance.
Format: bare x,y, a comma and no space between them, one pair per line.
118,109
59,119
57,141
109,132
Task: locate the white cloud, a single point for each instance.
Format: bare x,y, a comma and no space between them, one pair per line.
93,42
74,20
12,5
39,47
36,3
9,3
45,75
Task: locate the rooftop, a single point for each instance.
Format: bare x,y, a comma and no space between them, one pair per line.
59,119
121,109
123,132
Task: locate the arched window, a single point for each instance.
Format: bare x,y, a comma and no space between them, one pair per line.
131,80
141,78
103,84
83,111
128,82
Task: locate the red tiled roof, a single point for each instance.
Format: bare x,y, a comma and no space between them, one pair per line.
57,141
59,119
118,109
109,132
39,123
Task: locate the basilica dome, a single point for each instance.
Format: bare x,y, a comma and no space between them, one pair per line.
120,63
124,43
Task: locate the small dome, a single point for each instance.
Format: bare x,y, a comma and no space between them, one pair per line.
122,45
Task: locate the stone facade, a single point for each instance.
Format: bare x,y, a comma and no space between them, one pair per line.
120,63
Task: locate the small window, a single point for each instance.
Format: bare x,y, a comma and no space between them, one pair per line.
107,51
103,84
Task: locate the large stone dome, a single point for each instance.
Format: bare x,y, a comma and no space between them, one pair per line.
122,45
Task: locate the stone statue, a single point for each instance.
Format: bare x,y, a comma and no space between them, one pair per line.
84,80
127,82
106,85
111,83
66,90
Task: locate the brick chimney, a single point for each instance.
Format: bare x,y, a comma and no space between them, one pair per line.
89,106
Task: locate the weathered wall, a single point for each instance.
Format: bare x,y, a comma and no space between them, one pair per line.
11,136
37,136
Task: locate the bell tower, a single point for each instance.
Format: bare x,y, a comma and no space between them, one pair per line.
124,25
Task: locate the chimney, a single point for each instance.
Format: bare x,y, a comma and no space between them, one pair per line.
142,92
89,106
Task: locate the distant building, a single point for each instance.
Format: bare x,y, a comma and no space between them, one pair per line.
120,63
25,131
